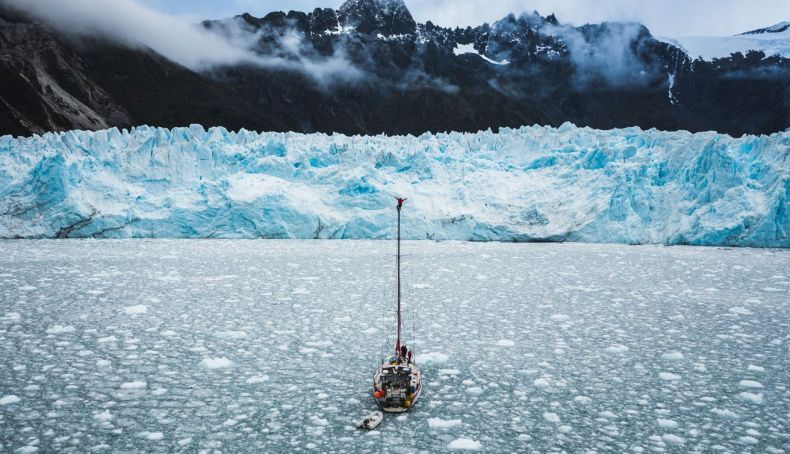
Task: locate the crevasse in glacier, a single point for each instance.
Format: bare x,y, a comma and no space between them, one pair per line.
527,184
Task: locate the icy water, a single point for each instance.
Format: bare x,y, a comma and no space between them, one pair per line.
269,346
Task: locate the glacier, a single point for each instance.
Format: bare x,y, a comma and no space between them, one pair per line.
533,183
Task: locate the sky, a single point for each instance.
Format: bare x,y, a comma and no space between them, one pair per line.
663,17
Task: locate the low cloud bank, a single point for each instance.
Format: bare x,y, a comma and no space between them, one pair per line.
129,23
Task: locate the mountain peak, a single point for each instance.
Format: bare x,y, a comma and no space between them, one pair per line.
776,28
388,17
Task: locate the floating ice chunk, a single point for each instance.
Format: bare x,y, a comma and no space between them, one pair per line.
755,398
724,413
465,444
26,450
672,356
257,379
12,316
617,348
104,416
669,376
475,390
551,417
153,436
60,329
738,310
135,310
750,384
8,400
584,400
318,421
559,317
672,438
168,333
747,440
439,423
134,385
216,363
231,334
542,382
95,292
104,340
667,423
564,429
753,368
505,343
433,358
449,371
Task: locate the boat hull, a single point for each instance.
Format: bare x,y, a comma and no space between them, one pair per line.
397,386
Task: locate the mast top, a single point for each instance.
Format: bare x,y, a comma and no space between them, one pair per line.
400,201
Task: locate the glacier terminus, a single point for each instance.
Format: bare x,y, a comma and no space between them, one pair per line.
524,185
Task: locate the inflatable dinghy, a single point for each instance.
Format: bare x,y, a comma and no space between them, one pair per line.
371,421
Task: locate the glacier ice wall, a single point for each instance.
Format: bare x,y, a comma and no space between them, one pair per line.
528,184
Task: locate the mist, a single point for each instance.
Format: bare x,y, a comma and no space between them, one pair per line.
606,54
180,40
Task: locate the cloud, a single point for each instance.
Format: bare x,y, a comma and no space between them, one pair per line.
176,38
605,54
129,23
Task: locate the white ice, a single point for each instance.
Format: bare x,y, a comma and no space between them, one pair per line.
228,357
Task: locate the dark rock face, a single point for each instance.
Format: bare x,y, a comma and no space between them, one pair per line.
386,17
369,68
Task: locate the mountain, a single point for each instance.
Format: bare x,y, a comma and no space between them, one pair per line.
369,68
528,184
776,28
771,41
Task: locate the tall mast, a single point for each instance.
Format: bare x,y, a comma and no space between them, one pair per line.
397,262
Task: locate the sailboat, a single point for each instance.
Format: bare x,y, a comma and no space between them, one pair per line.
397,382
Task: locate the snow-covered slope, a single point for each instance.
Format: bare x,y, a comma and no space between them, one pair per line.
774,40
532,183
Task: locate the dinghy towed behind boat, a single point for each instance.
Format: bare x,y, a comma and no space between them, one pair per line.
397,382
